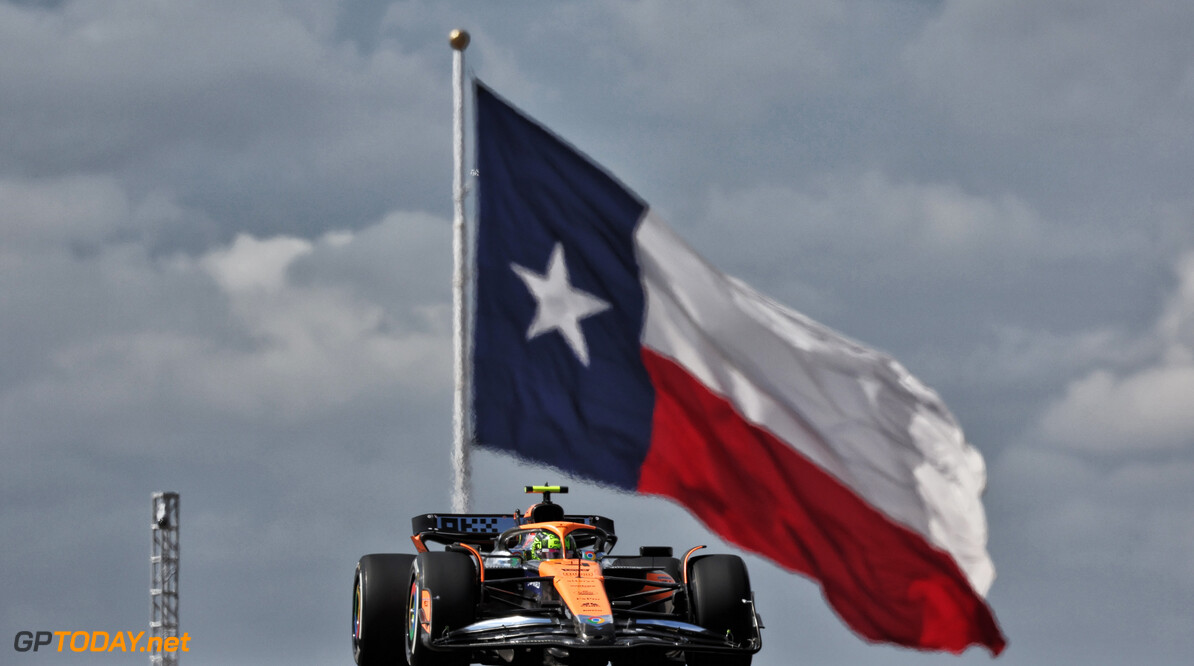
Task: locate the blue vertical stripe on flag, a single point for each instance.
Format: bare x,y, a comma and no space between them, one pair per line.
534,396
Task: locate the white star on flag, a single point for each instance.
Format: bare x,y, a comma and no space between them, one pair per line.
560,306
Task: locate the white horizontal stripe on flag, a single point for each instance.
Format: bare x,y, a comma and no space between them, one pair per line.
853,411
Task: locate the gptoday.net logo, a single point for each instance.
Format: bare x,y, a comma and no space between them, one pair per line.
98,641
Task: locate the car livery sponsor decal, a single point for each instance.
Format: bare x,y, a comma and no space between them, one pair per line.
580,585
425,610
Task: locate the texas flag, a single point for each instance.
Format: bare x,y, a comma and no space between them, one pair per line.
606,347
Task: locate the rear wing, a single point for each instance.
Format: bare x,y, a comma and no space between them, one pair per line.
480,529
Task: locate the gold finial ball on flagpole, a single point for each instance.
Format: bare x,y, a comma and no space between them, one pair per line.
458,39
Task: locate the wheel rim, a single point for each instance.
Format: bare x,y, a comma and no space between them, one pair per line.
412,624
357,610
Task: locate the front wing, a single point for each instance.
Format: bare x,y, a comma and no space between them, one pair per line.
532,631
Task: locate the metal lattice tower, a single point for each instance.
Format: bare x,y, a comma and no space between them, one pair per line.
163,565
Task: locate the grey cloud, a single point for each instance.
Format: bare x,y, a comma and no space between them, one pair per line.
996,193
221,109
1094,65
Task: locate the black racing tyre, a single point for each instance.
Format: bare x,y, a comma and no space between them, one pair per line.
718,594
379,607
444,588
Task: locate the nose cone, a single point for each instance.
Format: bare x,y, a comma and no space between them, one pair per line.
596,629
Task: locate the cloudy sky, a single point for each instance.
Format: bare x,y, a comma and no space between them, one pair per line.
224,271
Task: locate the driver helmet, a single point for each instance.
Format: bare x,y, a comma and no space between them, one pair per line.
545,545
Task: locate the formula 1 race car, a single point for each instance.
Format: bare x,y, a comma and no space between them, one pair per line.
544,588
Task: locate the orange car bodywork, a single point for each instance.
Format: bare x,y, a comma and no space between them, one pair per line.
578,581
581,588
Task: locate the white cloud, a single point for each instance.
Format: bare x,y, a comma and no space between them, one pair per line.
1149,407
316,346
255,264
1096,491
260,345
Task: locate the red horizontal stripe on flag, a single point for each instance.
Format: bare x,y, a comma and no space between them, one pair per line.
884,580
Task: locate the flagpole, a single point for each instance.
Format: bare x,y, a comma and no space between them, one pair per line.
459,40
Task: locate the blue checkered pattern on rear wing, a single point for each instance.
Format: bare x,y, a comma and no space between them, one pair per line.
473,527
